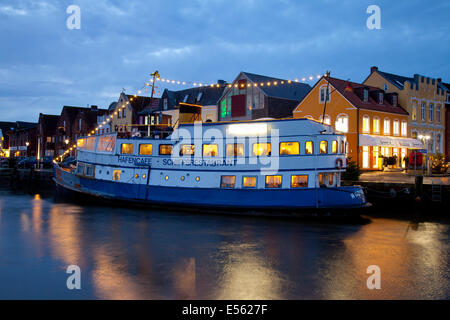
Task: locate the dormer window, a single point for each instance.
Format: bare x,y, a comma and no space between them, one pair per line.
199,96
380,98
165,104
186,97
394,100
366,95
385,87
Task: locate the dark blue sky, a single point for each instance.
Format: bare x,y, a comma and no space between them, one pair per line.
44,65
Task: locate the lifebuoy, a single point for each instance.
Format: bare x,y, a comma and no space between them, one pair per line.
339,163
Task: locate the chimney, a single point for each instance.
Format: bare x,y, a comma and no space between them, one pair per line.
221,82
373,69
94,108
439,80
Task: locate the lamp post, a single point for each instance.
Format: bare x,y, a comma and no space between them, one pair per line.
425,139
27,144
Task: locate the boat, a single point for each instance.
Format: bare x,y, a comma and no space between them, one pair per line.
270,165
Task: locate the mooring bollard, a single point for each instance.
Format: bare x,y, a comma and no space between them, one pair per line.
419,186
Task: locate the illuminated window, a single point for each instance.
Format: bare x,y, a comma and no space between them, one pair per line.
327,119
166,177
341,124
145,149
376,125
235,150
320,179
165,149
136,176
366,124
106,143
375,156
197,179
249,182
126,148
334,147
300,181
309,147
182,178
227,181
342,147
396,127
210,150
365,157
273,181
387,127
404,128
323,146
116,175
187,149
261,149
289,148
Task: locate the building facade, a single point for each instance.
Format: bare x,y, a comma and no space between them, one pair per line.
447,122
22,139
46,135
5,127
252,96
375,125
424,99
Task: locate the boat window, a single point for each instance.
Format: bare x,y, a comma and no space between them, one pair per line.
235,150
126,148
334,147
146,149
106,143
227,181
273,181
249,182
86,143
165,149
80,169
299,181
261,149
342,146
89,171
320,179
289,148
116,175
309,147
187,149
210,150
323,146
331,179
81,143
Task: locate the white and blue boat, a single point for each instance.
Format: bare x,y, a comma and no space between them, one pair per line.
289,165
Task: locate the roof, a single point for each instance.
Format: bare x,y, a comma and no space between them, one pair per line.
293,91
204,96
6,126
396,80
342,85
49,122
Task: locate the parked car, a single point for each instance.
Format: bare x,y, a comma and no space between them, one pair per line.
27,162
46,162
4,163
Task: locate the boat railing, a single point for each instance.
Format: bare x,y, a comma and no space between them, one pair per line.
154,131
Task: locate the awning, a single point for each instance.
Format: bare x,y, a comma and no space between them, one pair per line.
380,141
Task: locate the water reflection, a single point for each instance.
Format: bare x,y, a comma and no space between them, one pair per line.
134,254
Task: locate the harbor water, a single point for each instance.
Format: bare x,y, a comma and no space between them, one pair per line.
133,253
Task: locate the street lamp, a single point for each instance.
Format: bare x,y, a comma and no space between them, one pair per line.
425,139
67,141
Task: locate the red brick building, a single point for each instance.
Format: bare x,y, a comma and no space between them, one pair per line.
46,135
22,139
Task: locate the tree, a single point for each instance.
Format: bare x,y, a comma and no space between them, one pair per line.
352,172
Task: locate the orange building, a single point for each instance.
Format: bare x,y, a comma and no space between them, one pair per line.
375,125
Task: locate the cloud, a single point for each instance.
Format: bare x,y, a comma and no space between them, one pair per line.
8,10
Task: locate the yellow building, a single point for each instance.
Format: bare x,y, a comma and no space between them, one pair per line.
373,121
423,98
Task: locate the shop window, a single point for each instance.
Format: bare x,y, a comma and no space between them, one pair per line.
365,157
261,149
323,146
334,147
289,148
299,181
126,148
187,149
309,147
116,175
375,157
210,150
273,181
165,149
249,182
235,150
227,181
146,149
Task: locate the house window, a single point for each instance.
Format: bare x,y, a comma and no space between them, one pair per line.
380,97
422,111
327,119
165,104
300,181
366,124
165,149
376,125
116,175
210,150
341,124
187,149
309,147
334,147
431,112
414,111
227,181
249,182
235,150
273,181
261,149
385,87
124,112
438,143
145,149
79,124
365,157
396,127
404,128
126,148
387,127
323,146
49,139
324,93
375,155
366,95
289,148
438,113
